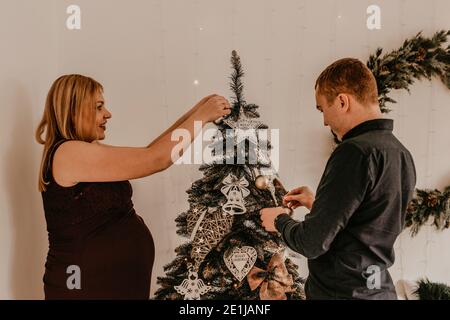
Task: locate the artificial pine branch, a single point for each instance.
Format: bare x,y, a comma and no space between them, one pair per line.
426,205
418,57
236,84
428,290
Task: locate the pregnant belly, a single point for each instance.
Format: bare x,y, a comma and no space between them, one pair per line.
115,261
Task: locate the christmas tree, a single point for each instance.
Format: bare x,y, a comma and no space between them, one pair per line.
230,255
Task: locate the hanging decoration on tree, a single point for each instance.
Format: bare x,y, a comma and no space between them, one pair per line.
263,157
266,183
223,222
274,282
235,190
192,287
242,124
426,205
194,218
274,247
240,260
207,233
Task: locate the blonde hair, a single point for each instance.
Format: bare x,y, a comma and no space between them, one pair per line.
70,102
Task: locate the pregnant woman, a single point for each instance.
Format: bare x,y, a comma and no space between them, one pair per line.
99,248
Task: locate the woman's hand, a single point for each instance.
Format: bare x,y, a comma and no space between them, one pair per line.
299,197
212,108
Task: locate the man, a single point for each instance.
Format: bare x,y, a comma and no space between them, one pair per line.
361,200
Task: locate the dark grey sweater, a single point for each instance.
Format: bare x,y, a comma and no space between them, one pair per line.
359,211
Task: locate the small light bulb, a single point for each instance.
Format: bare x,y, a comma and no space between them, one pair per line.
196,82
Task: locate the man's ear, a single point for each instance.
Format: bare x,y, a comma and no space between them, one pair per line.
344,102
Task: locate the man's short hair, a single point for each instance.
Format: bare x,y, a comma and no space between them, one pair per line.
350,76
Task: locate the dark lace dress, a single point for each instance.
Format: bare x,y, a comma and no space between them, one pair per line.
94,227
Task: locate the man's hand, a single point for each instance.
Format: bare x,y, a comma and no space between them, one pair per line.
299,197
268,216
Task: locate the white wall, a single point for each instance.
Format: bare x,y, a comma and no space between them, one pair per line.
147,54
27,65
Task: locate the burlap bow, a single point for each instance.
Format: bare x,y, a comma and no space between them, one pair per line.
275,281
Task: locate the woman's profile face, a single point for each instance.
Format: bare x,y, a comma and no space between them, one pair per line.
101,116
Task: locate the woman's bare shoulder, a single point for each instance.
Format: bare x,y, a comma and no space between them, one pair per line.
62,153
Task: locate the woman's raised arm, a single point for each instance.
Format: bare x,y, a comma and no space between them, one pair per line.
78,161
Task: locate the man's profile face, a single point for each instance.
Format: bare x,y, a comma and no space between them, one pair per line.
329,112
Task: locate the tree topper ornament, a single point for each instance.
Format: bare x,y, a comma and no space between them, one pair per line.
242,125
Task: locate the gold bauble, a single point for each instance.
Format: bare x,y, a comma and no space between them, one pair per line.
262,182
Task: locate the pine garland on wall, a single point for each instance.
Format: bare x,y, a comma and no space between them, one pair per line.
417,58
429,204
